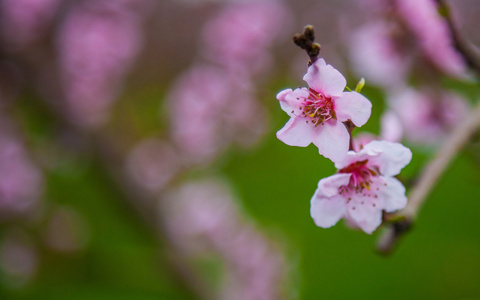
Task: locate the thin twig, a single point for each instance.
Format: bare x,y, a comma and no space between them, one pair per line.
462,46
451,146
305,41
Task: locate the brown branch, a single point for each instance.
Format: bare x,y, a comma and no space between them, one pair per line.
350,127
462,46
305,41
143,203
451,146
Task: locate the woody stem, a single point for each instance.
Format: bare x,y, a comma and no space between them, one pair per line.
452,145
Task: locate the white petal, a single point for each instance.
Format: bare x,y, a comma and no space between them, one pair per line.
363,214
350,158
328,187
282,98
353,106
332,140
389,158
296,132
326,212
292,100
325,79
392,194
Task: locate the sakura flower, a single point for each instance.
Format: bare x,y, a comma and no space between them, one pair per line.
254,266
317,112
363,188
378,53
426,115
25,21
239,38
433,35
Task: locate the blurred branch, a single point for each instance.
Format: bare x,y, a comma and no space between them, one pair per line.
143,203
451,146
464,48
146,204
402,221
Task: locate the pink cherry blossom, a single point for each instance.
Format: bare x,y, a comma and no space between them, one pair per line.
363,188
433,35
203,219
21,183
378,53
239,37
211,109
25,21
426,115
317,112
98,43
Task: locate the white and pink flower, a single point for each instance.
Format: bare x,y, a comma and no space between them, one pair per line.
363,188
318,112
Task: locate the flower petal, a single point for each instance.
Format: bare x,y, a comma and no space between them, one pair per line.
353,106
325,79
326,212
392,129
328,187
332,140
392,194
296,132
290,101
366,216
389,158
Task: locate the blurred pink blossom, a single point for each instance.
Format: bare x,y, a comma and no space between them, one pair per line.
240,36
18,258
209,110
20,180
66,231
153,163
427,115
97,45
202,218
433,35
391,127
363,188
363,139
316,114
24,21
378,53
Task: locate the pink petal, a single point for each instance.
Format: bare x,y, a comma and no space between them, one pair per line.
348,159
290,101
392,194
328,187
388,157
282,98
365,216
332,140
392,129
296,132
353,106
326,212
325,79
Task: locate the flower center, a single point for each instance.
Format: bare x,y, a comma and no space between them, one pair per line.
318,108
361,178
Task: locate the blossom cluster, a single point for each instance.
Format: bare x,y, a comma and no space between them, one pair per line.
252,266
364,186
406,40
